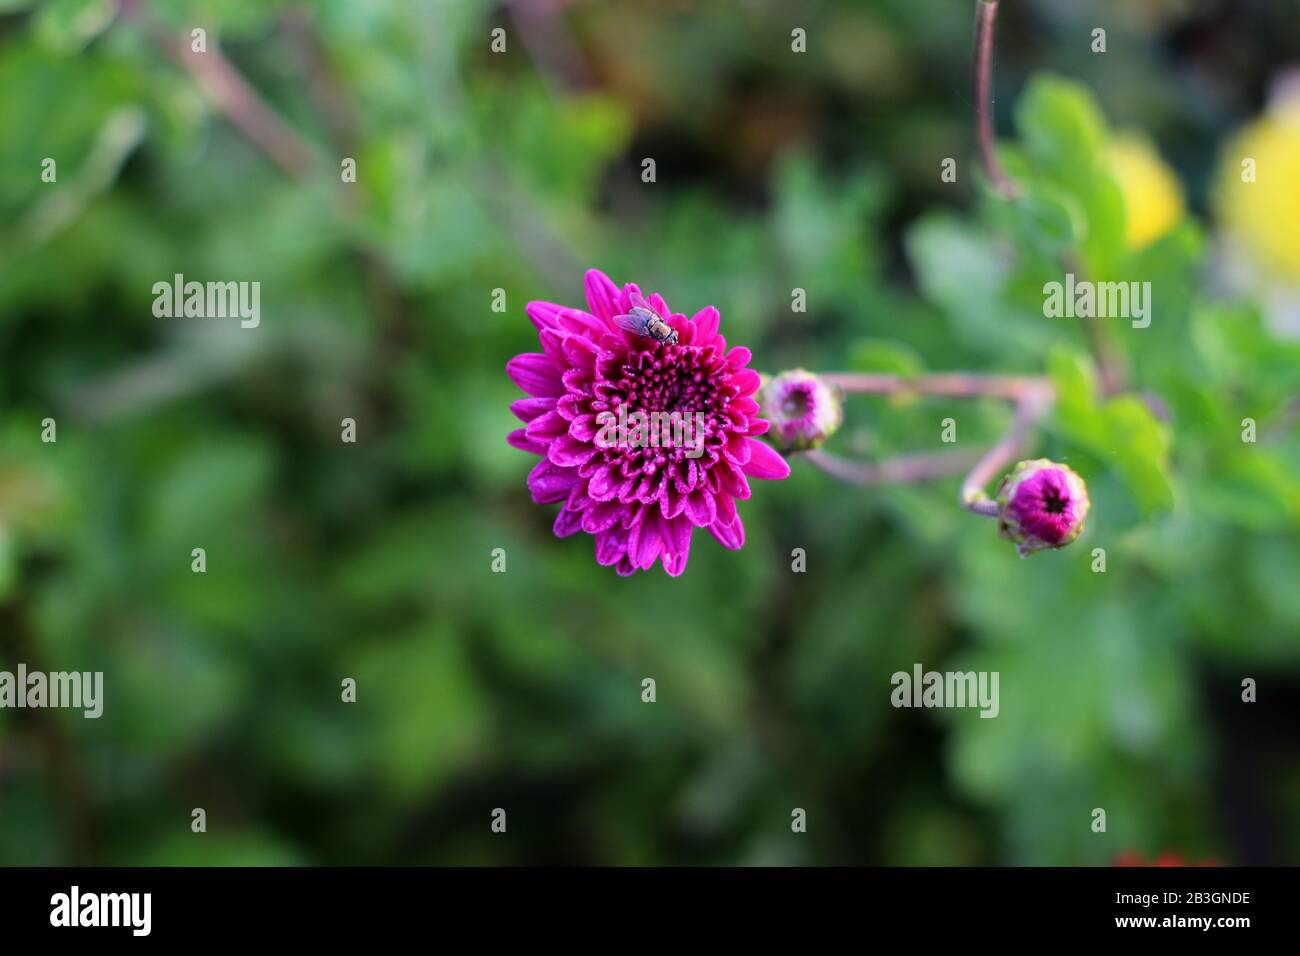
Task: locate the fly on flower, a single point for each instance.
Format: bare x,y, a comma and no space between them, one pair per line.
642,319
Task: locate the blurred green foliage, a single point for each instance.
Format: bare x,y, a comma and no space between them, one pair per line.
478,171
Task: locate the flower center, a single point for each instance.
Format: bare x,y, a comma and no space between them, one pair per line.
676,383
674,402
796,403
1055,503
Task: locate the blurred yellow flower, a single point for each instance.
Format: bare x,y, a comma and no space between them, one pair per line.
1257,192
1153,197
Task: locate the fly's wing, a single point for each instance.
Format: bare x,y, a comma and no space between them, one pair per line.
635,321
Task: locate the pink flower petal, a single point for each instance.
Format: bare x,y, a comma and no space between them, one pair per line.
534,373
732,536
602,295
630,295
739,357
577,380
706,324
736,451
602,486
543,314
580,352
545,427
586,428
700,508
519,439
526,409
645,542
746,381
567,523
672,502
732,481
571,406
553,347
567,451
765,462
577,322
601,516
578,498
676,535
611,545
549,483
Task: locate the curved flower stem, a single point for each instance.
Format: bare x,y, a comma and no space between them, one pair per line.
1032,396
901,470
986,13
952,384
1029,409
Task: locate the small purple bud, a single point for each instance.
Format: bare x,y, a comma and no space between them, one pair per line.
804,410
1041,504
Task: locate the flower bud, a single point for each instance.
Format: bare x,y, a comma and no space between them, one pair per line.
1041,504
804,410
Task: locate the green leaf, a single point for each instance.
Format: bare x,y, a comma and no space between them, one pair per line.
1121,431
818,220
1140,446
1064,136
960,270
1061,126
67,26
8,563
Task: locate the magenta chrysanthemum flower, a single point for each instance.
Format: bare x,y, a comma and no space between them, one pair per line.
1042,504
640,491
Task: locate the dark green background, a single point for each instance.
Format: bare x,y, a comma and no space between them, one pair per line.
522,690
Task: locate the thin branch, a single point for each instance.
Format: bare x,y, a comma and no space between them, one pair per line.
331,97
986,13
1029,409
546,35
1111,369
233,95
1032,396
1110,364
240,103
899,470
952,384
